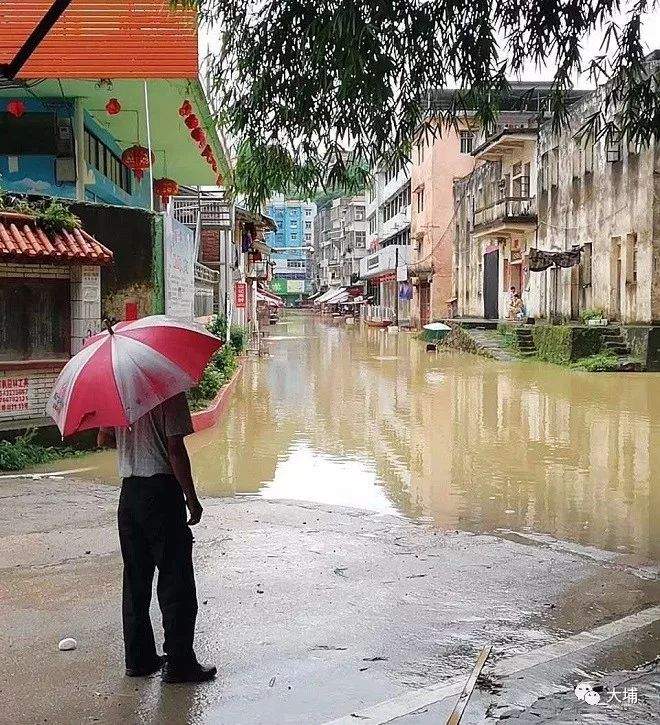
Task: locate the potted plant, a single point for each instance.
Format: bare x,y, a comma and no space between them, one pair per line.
593,318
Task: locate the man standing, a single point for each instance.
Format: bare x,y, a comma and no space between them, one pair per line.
153,533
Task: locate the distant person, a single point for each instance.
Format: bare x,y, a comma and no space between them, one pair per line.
511,296
153,533
517,309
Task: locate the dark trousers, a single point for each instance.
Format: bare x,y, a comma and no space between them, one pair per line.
153,533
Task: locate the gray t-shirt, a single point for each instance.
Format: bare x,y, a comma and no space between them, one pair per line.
142,448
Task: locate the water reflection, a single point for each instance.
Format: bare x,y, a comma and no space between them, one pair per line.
363,418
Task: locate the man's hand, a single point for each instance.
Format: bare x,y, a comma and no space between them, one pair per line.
195,508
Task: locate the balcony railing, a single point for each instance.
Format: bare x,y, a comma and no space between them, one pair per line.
510,207
215,211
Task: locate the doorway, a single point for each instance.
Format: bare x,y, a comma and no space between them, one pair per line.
424,304
491,284
615,278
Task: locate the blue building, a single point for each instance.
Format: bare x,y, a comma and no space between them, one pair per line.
293,238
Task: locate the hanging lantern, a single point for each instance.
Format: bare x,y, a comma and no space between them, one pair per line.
207,151
137,159
16,108
198,136
113,107
186,109
165,188
192,121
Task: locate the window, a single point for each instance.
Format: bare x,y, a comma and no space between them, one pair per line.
101,158
585,275
420,150
308,225
34,319
32,133
420,201
359,213
520,179
545,182
360,240
631,259
467,142
372,224
613,151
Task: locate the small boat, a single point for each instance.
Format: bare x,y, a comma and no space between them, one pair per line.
379,323
435,331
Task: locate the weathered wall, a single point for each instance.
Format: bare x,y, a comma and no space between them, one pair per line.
132,278
584,198
442,162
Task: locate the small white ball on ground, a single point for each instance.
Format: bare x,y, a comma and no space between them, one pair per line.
68,643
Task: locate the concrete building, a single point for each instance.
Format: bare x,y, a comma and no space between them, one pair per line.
534,189
385,268
340,242
495,224
604,198
293,240
437,161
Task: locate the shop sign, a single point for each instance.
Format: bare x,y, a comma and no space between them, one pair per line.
295,286
179,263
279,285
240,294
13,395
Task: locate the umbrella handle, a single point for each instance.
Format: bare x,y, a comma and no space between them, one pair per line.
106,322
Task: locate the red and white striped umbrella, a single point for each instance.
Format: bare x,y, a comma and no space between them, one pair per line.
126,371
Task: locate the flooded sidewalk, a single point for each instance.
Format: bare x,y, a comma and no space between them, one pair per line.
374,516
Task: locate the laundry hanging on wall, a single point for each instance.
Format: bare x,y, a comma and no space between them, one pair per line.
541,259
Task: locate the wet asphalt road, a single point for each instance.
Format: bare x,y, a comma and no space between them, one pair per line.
311,612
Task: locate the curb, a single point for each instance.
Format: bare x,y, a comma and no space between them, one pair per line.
209,417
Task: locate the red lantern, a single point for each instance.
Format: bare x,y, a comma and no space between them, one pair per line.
137,159
198,136
165,188
207,151
16,108
186,109
113,107
192,121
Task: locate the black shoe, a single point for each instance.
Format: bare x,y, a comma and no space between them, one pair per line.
146,671
194,672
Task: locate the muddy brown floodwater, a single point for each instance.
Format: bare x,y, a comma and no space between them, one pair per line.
360,418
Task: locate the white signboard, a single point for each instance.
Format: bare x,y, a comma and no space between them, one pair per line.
179,269
294,286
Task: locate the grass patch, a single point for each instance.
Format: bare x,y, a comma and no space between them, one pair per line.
23,452
598,363
507,336
218,372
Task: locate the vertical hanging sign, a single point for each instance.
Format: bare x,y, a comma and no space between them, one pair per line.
240,295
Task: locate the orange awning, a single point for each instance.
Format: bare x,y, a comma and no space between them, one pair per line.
96,39
21,240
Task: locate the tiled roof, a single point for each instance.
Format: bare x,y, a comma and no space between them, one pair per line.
21,240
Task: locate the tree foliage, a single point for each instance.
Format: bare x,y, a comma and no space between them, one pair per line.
301,82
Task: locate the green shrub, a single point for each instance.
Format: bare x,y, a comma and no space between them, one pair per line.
238,338
597,363
224,361
563,344
22,452
553,343
237,334
207,388
591,313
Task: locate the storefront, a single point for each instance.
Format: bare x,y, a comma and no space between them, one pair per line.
50,301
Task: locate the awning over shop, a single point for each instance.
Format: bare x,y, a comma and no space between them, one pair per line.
21,240
331,292
269,298
339,297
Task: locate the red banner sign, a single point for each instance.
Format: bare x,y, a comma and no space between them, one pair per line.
240,294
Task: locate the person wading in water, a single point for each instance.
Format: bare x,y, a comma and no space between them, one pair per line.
153,533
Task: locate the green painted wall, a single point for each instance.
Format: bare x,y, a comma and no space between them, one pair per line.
158,266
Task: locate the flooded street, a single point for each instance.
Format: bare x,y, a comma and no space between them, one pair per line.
359,418
374,515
